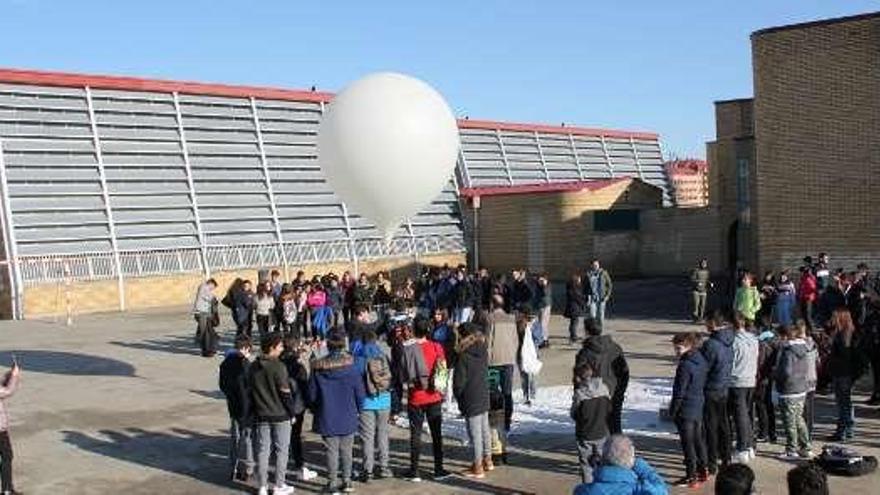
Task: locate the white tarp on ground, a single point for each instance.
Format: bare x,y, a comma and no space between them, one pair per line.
549,412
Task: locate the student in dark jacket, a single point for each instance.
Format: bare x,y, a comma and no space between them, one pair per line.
687,407
336,391
575,306
591,412
612,368
846,364
234,385
522,293
294,356
718,351
243,308
273,410
470,386
765,411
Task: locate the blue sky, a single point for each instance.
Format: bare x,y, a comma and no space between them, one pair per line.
643,65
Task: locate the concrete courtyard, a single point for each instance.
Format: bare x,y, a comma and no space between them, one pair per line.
123,403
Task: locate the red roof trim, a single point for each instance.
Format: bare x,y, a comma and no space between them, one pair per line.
63,79
572,186
126,83
552,129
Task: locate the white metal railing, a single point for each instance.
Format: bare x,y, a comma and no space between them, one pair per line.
41,269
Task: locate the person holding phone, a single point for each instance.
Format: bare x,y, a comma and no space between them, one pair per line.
8,386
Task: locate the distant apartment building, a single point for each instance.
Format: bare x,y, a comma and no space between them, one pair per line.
689,181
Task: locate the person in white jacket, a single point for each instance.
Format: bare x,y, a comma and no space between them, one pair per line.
742,387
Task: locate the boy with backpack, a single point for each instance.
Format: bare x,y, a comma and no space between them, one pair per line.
471,390
424,368
372,359
591,411
336,390
234,385
294,356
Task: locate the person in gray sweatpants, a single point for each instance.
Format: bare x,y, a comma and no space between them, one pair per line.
373,361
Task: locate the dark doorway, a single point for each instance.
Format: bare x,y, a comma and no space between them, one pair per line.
732,246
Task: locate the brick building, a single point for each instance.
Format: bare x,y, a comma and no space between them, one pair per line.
796,169
689,181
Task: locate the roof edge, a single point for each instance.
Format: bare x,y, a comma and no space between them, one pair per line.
734,100
554,187
553,129
820,22
129,83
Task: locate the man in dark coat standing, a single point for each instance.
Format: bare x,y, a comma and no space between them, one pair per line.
613,369
718,351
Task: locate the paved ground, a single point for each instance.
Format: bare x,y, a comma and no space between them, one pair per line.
123,403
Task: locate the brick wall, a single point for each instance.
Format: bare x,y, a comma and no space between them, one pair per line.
567,226
175,290
674,239
818,142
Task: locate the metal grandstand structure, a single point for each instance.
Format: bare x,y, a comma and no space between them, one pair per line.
117,177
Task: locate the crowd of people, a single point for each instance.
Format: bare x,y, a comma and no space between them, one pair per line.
359,353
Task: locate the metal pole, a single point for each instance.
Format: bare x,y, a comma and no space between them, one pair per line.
12,263
632,144
269,189
577,160
96,141
67,294
504,156
206,268
607,157
476,208
541,156
463,166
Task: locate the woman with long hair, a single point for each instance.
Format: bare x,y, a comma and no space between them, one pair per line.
845,366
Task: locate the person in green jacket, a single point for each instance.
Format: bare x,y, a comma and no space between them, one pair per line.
747,301
701,283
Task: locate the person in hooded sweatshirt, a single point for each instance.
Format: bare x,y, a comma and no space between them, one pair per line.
790,378
336,391
686,409
470,386
591,411
376,410
718,351
234,385
744,374
612,368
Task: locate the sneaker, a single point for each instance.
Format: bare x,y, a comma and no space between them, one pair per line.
686,482
761,439
347,487
873,401
806,454
413,477
789,455
331,489
384,473
283,490
475,471
305,474
838,436
848,434
487,464
441,474
365,477
264,490
752,454
703,475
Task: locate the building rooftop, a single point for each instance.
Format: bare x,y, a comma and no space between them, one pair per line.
820,22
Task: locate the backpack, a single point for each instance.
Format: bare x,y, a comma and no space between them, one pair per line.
496,395
378,375
842,461
440,376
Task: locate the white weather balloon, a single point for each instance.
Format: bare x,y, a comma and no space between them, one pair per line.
387,146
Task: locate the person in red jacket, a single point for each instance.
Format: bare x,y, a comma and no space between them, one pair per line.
421,358
808,292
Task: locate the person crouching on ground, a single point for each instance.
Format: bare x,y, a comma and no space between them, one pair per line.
471,389
590,410
686,409
373,361
273,411
623,472
8,387
336,390
234,385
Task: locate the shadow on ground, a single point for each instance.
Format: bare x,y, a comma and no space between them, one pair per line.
68,363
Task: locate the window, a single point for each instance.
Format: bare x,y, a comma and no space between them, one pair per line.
615,220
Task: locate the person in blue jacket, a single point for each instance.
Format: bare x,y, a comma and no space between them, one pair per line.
687,407
336,392
622,473
718,351
376,408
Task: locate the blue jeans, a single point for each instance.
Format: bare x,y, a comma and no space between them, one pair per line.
597,313
271,435
241,447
